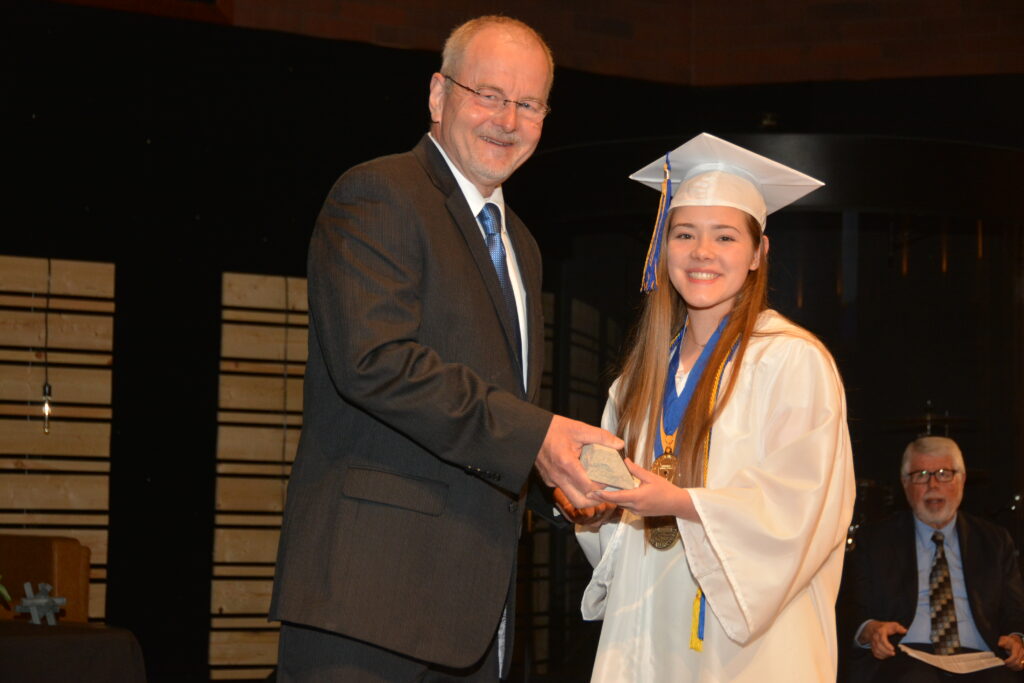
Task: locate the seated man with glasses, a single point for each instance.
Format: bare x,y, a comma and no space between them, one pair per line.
935,578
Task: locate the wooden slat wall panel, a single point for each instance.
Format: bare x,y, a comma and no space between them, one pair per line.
67,330
243,367
56,358
54,464
245,571
240,392
244,418
245,290
61,411
22,383
277,470
253,316
232,596
240,674
97,599
245,546
248,519
82,439
57,484
263,356
67,278
263,342
96,539
31,301
54,519
250,494
256,443
240,622
255,647
32,490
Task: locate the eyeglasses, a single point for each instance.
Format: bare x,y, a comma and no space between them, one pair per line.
494,99
942,475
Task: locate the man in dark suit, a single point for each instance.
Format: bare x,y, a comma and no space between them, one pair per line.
937,579
398,547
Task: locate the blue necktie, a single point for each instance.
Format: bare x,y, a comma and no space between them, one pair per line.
490,219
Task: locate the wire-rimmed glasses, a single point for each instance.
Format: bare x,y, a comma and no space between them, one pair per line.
494,99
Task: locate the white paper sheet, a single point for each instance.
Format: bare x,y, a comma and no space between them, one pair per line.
958,664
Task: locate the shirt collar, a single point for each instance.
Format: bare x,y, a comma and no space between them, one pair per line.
925,531
473,197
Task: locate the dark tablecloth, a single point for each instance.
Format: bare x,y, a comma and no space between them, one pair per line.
84,653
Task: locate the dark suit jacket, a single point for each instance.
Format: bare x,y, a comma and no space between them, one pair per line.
884,580
404,503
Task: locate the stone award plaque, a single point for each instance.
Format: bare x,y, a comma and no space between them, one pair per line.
605,466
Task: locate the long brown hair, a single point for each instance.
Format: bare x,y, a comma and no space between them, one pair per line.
646,365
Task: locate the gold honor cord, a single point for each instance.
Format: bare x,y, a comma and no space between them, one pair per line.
699,603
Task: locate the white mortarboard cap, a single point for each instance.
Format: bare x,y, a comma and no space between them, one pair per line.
708,171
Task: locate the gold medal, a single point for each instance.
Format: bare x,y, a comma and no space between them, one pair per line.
662,532
665,466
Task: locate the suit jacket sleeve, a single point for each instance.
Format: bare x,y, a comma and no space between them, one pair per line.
1011,607
397,350
881,584
992,573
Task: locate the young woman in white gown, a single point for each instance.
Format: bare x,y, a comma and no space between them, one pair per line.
725,562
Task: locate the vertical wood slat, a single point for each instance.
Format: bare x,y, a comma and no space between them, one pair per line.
57,484
263,355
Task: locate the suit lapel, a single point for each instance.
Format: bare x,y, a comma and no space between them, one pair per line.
905,560
529,270
972,564
457,207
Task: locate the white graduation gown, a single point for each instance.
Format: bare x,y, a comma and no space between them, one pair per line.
768,551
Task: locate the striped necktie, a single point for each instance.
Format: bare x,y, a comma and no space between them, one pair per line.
944,634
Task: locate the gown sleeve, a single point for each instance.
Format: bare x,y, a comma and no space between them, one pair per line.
600,544
769,524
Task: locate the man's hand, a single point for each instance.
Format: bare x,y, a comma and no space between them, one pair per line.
558,461
595,515
1012,644
876,634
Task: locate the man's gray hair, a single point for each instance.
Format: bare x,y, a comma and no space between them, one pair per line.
932,445
458,40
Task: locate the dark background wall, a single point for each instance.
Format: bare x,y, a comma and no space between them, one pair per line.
685,42
179,150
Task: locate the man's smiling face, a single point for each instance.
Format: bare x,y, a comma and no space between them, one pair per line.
487,146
